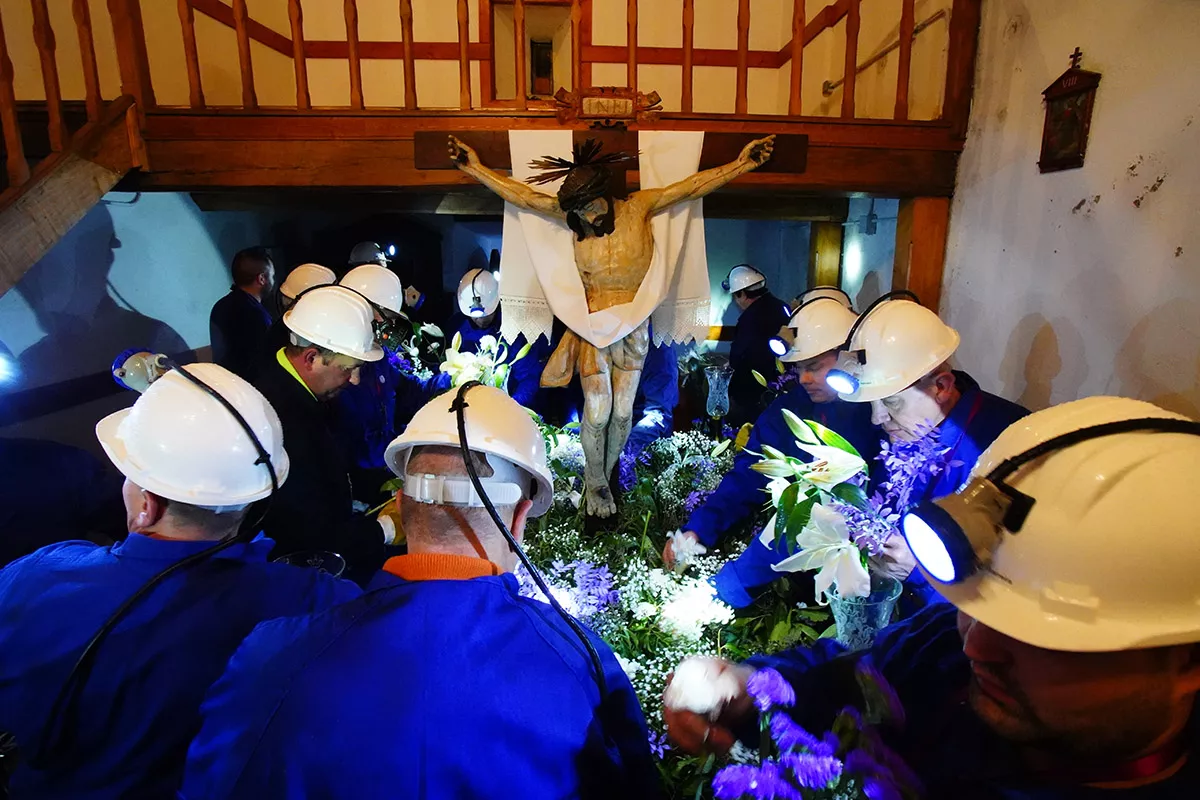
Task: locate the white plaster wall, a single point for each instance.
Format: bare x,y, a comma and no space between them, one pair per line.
1086,281
867,258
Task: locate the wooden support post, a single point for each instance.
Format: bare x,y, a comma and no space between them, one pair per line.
299,57
851,68
15,165
689,36
904,65
130,38
577,45
240,19
921,228
187,19
960,63
825,254
743,52
631,44
43,37
87,54
798,22
464,62
519,52
350,10
410,69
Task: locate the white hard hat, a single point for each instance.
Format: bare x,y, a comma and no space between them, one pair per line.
337,319
743,277
1108,555
496,427
179,442
478,293
378,284
900,342
367,253
831,292
821,324
306,276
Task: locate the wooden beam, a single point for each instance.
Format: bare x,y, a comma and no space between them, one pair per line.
689,36
797,55
743,50
35,215
299,56
410,68
350,11
519,53
87,52
15,164
130,39
576,45
43,37
960,63
631,44
487,76
187,20
921,227
464,63
904,66
701,57
851,63
586,36
245,65
217,10
825,254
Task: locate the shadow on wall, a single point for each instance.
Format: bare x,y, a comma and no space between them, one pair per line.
85,319
1044,359
870,291
1160,360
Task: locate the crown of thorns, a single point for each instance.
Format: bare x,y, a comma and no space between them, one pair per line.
586,174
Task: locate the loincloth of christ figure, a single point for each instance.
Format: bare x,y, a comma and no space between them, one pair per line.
614,245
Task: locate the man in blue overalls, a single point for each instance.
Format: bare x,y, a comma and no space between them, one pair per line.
763,314
442,681
1069,666
898,363
191,474
821,324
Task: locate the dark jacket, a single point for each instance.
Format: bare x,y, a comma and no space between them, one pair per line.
751,351
434,684
238,328
313,510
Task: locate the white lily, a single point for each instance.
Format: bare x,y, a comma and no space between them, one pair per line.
776,486
825,546
830,465
487,344
431,329
767,537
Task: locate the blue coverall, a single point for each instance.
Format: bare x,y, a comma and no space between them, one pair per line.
943,741
141,705
440,682
524,375
742,490
657,396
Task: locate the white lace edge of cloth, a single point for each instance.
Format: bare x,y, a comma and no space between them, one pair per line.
677,322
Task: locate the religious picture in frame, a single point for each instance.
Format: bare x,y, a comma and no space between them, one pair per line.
1069,102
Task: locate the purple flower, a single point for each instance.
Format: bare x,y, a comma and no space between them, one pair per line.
768,688
789,735
626,472
812,771
695,500
763,783
658,744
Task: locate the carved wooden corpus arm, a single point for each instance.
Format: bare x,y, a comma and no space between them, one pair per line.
512,191
703,183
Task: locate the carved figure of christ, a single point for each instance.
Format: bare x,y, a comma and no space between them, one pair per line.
614,245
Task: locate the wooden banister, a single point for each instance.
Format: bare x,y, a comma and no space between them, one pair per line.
797,77
299,59
576,45
240,27
43,37
519,52
187,19
960,63
464,61
904,68
689,37
631,44
15,165
851,63
350,10
87,53
743,54
130,38
410,69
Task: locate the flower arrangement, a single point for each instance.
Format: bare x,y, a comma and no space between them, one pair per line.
411,347
489,364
